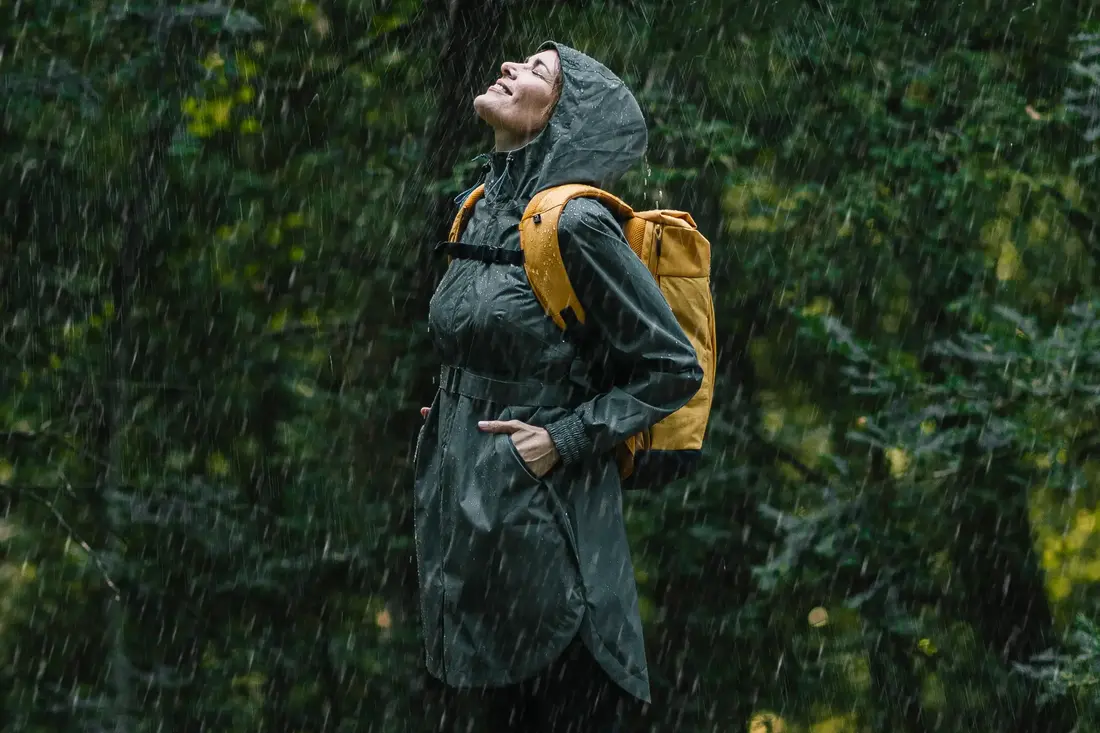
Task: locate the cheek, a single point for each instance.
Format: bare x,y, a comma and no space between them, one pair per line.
536,106
501,105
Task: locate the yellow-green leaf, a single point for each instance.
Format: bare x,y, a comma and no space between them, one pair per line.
217,465
278,321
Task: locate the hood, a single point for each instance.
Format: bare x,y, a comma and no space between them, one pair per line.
595,134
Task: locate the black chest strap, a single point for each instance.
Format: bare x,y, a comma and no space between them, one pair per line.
481,253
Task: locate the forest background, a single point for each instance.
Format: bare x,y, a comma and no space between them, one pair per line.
214,274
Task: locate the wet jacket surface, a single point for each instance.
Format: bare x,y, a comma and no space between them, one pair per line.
513,567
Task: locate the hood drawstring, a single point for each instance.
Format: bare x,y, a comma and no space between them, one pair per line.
495,185
484,172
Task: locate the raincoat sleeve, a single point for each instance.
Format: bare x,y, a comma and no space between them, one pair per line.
631,327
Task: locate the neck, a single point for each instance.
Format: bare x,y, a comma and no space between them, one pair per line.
506,142
509,140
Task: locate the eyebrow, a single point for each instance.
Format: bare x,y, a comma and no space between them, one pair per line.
537,62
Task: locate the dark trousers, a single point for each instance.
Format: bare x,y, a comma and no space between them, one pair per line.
573,695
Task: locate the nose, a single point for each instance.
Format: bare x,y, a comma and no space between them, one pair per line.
508,69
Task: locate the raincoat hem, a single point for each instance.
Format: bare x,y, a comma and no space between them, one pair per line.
635,686
507,677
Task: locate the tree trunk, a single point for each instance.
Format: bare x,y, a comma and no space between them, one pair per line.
895,683
1006,600
140,220
725,584
471,46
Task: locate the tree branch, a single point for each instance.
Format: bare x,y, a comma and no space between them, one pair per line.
72,534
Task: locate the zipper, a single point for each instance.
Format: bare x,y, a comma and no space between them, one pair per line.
491,189
465,278
444,437
443,441
416,534
507,165
658,248
416,451
416,539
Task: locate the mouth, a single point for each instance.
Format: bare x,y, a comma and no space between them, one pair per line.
499,87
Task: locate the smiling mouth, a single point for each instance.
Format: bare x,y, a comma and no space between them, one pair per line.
500,88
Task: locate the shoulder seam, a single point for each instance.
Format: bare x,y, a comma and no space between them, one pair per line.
583,206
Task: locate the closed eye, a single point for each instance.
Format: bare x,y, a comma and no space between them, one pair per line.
538,65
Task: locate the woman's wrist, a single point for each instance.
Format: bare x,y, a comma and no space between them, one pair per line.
570,438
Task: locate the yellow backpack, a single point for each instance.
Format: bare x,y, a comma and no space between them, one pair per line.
678,256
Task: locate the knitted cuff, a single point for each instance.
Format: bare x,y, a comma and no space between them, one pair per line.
569,438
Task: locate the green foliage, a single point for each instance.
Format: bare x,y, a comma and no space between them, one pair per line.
1074,672
213,293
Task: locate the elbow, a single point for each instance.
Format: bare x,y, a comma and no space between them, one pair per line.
682,384
690,372
691,381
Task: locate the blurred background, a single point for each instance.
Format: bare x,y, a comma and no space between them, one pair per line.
214,275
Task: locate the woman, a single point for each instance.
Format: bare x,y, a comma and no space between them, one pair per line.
527,587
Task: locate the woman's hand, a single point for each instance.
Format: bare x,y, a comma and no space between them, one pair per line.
532,443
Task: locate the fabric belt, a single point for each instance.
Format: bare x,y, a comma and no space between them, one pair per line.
527,394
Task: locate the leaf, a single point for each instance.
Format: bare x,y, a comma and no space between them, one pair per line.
709,535
228,19
858,600
1017,319
184,144
866,438
905,626
826,546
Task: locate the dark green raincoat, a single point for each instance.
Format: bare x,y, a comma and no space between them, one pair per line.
514,567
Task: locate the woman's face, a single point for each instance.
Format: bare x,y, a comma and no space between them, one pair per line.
519,104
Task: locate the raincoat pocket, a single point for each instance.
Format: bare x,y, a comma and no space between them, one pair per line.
518,458
519,580
416,450
515,546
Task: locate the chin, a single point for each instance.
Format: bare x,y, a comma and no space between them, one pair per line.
483,106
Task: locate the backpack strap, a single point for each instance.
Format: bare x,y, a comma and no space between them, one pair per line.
465,212
538,236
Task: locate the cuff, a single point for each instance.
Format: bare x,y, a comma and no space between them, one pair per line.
570,439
